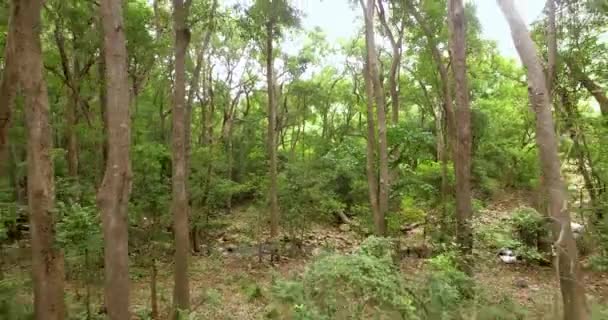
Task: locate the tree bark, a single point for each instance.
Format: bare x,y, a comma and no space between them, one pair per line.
115,189
396,42
567,265
154,292
8,90
179,203
47,260
71,79
272,132
551,45
462,152
103,105
379,97
446,92
372,178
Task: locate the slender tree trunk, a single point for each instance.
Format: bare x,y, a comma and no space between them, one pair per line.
370,166
47,260
153,291
544,240
272,132
378,90
446,92
179,203
72,83
70,131
568,268
551,46
103,102
8,90
462,149
442,156
396,42
115,189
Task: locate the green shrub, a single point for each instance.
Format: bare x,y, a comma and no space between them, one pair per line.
362,285
529,225
10,306
520,233
79,234
447,287
599,261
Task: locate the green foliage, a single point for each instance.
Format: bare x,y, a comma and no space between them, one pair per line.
519,233
447,287
599,312
424,183
529,225
11,304
599,261
409,213
361,285
79,234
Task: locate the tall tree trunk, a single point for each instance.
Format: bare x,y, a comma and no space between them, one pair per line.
568,268
370,166
47,260
115,189
551,46
544,240
396,42
70,131
154,292
103,102
446,92
71,80
179,203
272,132
378,90
462,149
8,90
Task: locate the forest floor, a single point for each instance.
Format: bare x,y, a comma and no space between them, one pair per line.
234,284
231,283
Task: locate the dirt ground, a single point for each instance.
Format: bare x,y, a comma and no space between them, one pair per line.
231,283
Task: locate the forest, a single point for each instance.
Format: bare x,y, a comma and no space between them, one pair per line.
221,159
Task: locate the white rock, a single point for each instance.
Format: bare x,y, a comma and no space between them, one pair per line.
508,259
577,227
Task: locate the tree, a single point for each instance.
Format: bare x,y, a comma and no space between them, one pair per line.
8,90
272,131
396,40
179,202
47,260
380,101
567,265
462,149
114,192
271,16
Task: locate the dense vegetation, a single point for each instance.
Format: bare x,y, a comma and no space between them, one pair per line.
197,138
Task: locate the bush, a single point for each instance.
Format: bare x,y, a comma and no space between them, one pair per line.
529,225
446,286
362,285
10,306
520,233
79,234
599,261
